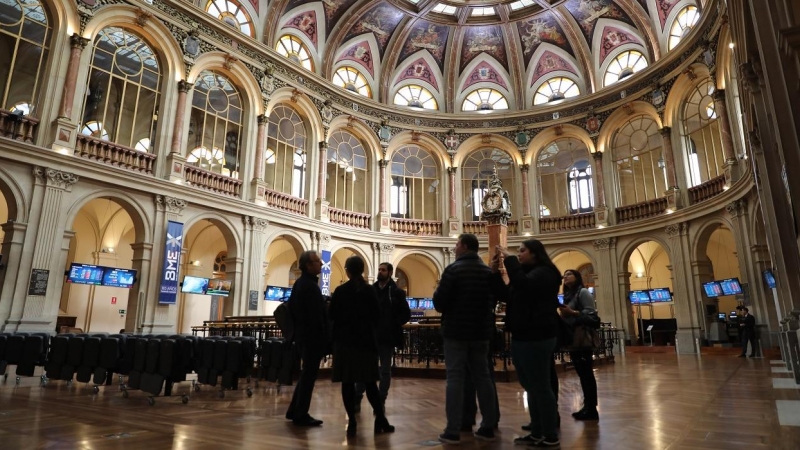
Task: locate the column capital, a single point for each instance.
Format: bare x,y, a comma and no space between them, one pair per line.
605,243
597,156
78,41
677,229
737,208
718,95
171,204
524,168
55,178
184,86
262,119
665,131
385,248
452,170
383,163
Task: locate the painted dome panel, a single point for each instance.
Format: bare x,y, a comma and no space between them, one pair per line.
426,36
334,9
381,21
542,28
550,62
484,73
419,70
587,12
360,53
614,37
306,22
486,39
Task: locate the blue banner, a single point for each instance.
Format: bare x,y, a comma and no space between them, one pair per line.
325,274
168,293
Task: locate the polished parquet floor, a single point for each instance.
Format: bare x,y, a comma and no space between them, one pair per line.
647,401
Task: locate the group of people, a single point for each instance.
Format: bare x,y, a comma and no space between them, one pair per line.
364,323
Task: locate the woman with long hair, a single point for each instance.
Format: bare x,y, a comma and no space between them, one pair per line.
578,304
531,317
355,315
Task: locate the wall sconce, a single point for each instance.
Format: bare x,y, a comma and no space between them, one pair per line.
194,263
107,250
639,275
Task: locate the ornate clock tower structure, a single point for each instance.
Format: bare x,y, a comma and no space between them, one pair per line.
496,212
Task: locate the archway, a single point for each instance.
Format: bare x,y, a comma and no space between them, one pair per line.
338,258
10,254
579,261
280,270
650,268
104,236
421,273
716,259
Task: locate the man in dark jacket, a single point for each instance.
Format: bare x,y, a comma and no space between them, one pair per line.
310,332
466,303
394,313
747,329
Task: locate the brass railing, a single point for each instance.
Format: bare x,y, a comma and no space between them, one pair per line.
21,128
286,202
642,210
114,154
350,218
216,182
417,227
707,190
567,223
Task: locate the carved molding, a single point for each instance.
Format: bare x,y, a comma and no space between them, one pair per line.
386,248
677,229
55,178
143,16
737,208
452,170
171,204
324,238
605,243
78,41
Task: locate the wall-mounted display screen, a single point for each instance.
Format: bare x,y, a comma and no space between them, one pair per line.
769,278
712,289
115,277
219,287
85,274
412,303
425,303
721,316
660,295
194,285
286,294
730,286
274,293
638,297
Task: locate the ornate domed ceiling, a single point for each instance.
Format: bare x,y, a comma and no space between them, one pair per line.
462,55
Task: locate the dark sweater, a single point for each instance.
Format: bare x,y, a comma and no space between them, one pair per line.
308,311
531,300
355,316
394,314
465,299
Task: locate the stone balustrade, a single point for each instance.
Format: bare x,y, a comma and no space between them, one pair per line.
417,227
350,218
20,128
113,154
642,210
567,223
286,202
212,181
707,190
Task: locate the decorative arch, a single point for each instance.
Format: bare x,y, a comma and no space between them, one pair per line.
476,142
724,57
627,250
681,89
239,74
363,53
141,223
297,240
368,269
551,61
548,135
463,90
422,69
707,226
233,240
570,248
601,71
362,131
620,116
308,23
10,189
304,106
427,256
612,37
424,140
669,18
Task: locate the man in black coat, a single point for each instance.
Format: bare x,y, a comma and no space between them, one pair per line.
394,313
747,330
311,334
467,305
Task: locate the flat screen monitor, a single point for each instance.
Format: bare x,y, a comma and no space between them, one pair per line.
194,285
660,295
733,314
561,299
274,293
769,278
115,277
712,289
730,286
721,316
638,297
425,303
219,287
286,294
412,303
85,274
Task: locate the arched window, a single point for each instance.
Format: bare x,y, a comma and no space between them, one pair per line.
705,157
565,177
24,37
122,92
215,126
348,173
484,99
415,184
232,14
624,65
555,89
285,157
475,173
416,97
682,25
220,266
292,48
637,153
352,80
544,211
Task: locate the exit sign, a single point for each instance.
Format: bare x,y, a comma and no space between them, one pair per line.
122,311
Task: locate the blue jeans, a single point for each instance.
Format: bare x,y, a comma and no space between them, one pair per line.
458,356
386,354
532,360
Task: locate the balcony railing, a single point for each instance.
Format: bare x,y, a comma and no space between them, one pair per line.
350,218
114,154
286,202
567,223
512,227
215,182
642,210
476,228
707,190
21,128
417,227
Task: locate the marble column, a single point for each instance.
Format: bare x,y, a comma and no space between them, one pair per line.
141,262
385,225
611,304
526,195
255,254
77,44
600,208
687,306
669,157
13,244
451,177
236,302
721,108
180,114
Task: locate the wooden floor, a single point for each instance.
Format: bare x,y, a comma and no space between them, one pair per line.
647,401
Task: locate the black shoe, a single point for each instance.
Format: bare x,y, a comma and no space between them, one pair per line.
548,443
526,428
588,414
382,425
448,438
558,420
307,421
484,434
289,415
528,440
578,413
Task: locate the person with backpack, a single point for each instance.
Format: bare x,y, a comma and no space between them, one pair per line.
310,323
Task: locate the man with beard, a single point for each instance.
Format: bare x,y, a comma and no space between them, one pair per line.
394,313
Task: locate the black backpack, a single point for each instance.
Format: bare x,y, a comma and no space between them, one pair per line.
283,317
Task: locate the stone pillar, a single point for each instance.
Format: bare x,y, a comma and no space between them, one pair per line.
236,302
600,208
142,262
611,303
322,174
721,108
158,318
261,142
255,254
625,313
40,310
13,244
686,308
176,159
385,215
703,272
385,251
525,223
453,226
77,44
673,191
